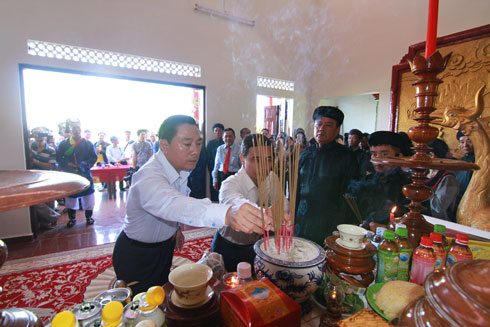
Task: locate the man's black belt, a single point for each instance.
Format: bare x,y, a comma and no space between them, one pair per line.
233,245
146,245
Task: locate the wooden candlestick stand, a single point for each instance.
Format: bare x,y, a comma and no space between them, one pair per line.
417,192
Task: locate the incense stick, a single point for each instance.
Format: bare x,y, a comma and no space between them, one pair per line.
353,205
261,203
284,162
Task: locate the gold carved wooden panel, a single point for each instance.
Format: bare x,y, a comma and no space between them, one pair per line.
468,69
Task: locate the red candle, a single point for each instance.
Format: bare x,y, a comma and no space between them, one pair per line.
230,280
392,214
430,43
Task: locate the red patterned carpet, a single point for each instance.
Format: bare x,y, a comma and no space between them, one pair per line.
52,283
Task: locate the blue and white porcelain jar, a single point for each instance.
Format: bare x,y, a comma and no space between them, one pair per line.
297,272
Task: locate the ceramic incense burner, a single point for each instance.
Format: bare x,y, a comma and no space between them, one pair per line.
297,272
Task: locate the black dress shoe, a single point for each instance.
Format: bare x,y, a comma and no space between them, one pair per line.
71,223
90,221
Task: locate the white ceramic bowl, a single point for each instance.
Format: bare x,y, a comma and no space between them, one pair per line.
190,282
351,236
298,278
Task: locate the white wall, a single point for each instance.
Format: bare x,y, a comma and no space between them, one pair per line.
363,39
359,111
329,48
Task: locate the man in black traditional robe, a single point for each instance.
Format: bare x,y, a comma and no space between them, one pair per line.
325,170
77,155
378,193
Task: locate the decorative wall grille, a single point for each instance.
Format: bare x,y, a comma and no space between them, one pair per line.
108,58
273,83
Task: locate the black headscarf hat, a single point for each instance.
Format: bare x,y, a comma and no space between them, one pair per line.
386,138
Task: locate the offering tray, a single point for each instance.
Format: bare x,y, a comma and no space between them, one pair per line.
207,314
344,261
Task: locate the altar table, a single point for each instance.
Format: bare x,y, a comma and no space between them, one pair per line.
109,175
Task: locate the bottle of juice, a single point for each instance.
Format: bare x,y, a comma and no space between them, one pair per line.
438,250
441,229
460,250
405,253
399,225
379,234
423,261
387,258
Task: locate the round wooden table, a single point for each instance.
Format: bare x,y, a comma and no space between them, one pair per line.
24,188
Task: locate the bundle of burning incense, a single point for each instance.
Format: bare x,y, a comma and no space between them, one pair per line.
353,205
271,187
261,160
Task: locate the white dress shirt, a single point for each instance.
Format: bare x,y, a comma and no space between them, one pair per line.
237,190
158,201
234,164
114,153
128,150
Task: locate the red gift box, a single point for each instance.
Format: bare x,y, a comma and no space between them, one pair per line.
258,303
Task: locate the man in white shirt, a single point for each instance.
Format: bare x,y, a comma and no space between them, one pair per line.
128,148
242,188
158,202
115,155
227,160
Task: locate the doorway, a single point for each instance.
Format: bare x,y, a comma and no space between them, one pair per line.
275,114
103,103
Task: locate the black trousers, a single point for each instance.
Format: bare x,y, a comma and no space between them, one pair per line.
222,176
232,253
147,263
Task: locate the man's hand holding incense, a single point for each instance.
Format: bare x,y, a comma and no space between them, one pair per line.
286,216
247,219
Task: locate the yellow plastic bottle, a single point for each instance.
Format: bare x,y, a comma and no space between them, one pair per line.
64,319
148,307
112,314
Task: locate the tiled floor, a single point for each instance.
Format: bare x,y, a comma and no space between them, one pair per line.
108,216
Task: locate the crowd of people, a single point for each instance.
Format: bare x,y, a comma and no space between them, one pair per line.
77,154
169,185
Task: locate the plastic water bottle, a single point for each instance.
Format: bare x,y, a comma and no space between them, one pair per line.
244,272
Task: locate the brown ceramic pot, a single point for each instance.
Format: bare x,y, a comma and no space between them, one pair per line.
343,261
457,296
